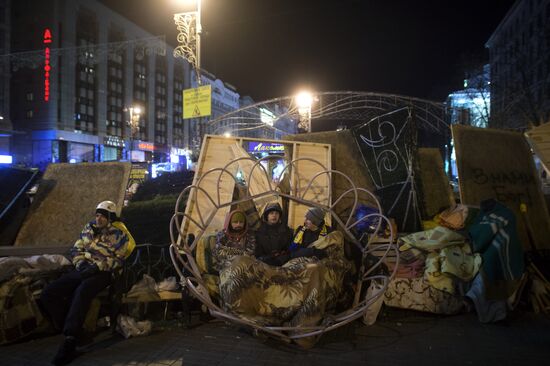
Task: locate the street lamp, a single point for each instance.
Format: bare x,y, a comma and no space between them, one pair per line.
304,100
189,38
135,114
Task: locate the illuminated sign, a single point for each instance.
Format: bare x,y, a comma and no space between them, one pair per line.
178,151
266,116
113,141
146,146
47,39
197,102
273,148
6,159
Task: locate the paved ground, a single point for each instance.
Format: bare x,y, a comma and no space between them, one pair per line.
398,338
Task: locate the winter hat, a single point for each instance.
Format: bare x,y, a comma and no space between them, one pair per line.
272,207
315,215
238,217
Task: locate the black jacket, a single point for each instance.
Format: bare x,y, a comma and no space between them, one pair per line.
272,241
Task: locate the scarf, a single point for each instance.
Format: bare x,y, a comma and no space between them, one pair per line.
300,235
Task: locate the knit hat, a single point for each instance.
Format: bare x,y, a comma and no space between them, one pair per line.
315,215
238,217
272,207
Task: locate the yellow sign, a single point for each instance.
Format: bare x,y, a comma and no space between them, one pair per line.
197,102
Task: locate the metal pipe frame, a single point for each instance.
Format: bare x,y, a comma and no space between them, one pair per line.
181,252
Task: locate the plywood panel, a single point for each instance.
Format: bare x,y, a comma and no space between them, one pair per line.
66,200
436,191
346,158
498,164
539,137
216,152
302,173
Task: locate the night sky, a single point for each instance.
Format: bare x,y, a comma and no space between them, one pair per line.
272,48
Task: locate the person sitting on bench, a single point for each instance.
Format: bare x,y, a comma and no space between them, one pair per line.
103,246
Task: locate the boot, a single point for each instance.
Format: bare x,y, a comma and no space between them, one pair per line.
66,352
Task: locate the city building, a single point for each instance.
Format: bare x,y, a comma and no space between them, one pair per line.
224,100
519,52
472,105
5,124
89,85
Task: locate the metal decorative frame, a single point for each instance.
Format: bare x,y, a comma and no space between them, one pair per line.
340,106
35,59
190,276
188,39
357,109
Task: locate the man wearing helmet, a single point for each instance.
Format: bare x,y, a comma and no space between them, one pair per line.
100,251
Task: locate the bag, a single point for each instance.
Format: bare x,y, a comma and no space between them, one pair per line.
375,289
129,327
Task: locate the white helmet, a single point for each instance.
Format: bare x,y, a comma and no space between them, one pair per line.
107,207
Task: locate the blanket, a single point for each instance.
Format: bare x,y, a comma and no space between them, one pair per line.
300,293
21,282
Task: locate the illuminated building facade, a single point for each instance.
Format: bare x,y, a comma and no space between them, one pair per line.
5,125
472,105
79,69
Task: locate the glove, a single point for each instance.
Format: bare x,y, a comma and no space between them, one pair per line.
87,269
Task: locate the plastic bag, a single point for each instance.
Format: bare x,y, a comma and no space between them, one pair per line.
129,327
375,289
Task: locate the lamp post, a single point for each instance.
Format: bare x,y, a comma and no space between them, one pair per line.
304,100
135,114
189,38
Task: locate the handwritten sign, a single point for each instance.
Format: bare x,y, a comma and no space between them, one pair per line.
499,164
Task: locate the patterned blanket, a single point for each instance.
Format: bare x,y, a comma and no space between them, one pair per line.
300,293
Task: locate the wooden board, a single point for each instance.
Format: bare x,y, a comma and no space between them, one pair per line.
346,158
217,151
66,200
436,191
499,164
539,137
303,172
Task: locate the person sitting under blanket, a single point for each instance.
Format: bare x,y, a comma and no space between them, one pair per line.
273,237
235,239
313,228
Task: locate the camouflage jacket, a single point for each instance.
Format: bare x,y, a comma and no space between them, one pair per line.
107,247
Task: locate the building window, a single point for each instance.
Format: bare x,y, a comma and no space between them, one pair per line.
29,113
30,97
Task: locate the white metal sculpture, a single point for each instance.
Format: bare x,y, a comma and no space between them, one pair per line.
182,251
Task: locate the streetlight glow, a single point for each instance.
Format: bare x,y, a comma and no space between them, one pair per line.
304,99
